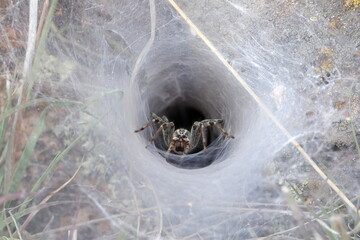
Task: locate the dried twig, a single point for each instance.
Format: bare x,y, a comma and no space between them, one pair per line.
30,49
263,107
42,20
32,215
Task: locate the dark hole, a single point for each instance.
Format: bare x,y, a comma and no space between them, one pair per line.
335,148
183,114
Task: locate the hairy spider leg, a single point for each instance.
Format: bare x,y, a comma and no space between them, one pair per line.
198,129
171,147
187,149
194,136
168,133
155,119
158,131
148,124
212,122
163,117
219,125
203,133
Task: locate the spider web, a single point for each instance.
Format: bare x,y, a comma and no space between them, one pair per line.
299,57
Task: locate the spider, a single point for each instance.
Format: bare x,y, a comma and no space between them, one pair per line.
182,141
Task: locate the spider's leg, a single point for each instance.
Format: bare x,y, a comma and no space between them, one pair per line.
212,122
187,149
194,136
155,119
147,125
168,131
203,133
219,124
171,147
157,133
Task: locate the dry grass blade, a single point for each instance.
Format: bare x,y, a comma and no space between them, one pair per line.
159,209
351,100
355,230
30,49
30,103
78,225
40,46
27,211
204,229
338,224
15,223
42,19
58,157
13,196
27,152
264,108
31,216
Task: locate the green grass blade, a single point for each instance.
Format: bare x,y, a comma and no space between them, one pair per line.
41,46
2,166
34,102
58,157
3,144
3,127
29,148
351,119
28,151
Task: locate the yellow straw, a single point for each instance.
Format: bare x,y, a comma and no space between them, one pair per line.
263,107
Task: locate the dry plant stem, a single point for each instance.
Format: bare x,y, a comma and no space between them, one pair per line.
175,226
207,228
257,204
254,210
18,122
72,233
338,224
14,196
159,209
16,225
30,49
31,216
136,206
355,230
48,224
57,203
42,20
297,213
34,102
78,225
264,108
10,155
